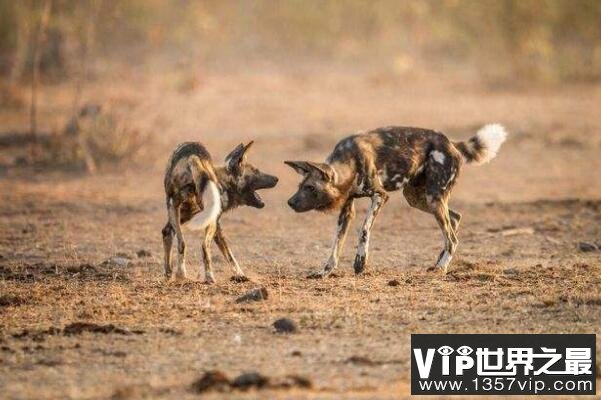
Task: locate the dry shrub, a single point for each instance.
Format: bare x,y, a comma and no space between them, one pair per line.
111,140
93,139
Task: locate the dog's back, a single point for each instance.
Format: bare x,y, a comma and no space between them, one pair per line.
396,153
190,164
191,184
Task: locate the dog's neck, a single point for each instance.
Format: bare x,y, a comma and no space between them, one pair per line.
230,197
344,182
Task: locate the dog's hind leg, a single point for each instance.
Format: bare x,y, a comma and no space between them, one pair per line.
440,173
430,191
206,252
227,253
416,197
174,221
168,234
347,213
377,201
455,220
441,213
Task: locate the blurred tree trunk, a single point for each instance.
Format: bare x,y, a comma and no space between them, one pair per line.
87,39
87,42
24,38
38,38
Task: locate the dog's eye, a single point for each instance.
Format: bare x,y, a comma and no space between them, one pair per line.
311,189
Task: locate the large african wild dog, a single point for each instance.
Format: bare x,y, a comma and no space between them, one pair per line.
198,193
424,163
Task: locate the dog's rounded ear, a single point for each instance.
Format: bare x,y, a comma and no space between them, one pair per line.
324,171
237,157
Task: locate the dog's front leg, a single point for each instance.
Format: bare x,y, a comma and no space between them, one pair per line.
377,201
174,221
347,213
168,233
227,253
206,253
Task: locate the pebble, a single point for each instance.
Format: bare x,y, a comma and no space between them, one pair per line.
285,325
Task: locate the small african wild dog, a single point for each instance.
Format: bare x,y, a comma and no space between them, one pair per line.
424,163
198,193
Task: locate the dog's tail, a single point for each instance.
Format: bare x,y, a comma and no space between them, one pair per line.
207,192
484,146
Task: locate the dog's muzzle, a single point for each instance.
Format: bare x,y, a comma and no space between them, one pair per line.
253,199
296,206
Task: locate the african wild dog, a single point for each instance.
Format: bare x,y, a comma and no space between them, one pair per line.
198,193
424,163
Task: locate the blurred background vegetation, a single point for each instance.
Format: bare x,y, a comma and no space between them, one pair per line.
548,41
57,56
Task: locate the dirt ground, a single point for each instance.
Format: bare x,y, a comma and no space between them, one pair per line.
518,269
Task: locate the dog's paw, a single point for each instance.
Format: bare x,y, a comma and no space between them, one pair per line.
317,275
239,278
179,277
437,270
359,265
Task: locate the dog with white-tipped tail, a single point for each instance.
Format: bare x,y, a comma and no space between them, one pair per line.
424,163
198,193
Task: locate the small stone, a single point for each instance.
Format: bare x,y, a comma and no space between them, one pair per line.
296,353
393,282
257,294
143,253
211,380
130,392
291,381
587,247
285,325
249,380
360,360
118,261
81,268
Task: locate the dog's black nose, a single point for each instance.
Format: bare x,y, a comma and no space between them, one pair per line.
291,203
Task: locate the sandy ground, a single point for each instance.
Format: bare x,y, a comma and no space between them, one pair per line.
518,267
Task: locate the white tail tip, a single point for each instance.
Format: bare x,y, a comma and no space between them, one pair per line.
490,137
